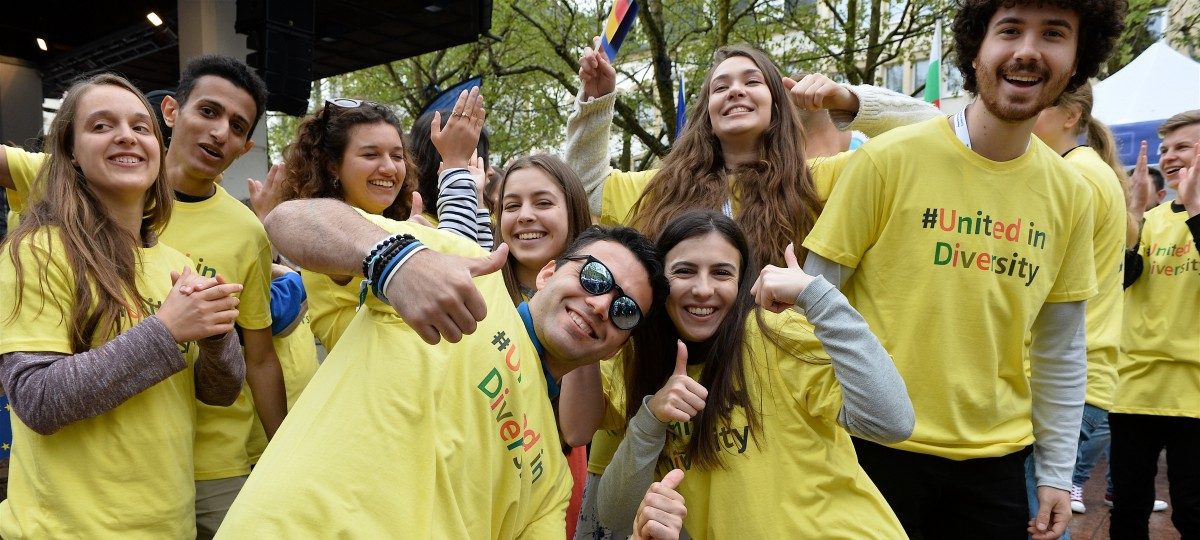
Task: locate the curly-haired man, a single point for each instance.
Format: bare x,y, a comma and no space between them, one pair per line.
958,237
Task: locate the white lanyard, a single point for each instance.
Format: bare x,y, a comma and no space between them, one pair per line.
727,209
960,127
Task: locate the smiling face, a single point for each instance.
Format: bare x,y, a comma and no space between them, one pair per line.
115,146
574,325
211,129
739,101
704,272
372,169
1026,59
1178,150
533,218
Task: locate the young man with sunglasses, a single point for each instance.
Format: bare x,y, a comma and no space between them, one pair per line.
397,436
964,235
212,117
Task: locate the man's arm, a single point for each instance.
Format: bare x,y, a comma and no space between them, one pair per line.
1058,362
265,377
330,237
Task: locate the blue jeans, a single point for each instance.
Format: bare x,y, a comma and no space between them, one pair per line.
1093,441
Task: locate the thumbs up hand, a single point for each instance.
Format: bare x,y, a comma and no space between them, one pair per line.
681,398
777,288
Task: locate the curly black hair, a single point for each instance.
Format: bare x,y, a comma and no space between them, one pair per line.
1100,24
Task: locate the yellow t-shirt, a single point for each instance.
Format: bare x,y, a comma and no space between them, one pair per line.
1159,365
394,437
801,478
1104,311
126,473
23,167
955,255
331,307
612,427
224,237
622,189
297,354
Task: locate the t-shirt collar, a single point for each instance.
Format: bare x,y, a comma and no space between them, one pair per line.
527,318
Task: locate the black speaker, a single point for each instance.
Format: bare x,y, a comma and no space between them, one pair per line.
279,34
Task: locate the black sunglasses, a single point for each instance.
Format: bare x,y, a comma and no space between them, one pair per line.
596,279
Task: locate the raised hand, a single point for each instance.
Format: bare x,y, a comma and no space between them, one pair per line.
681,398
264,196
660,515
416,210
208,308
1141,186
777,288
434,294
815,91
595,72
456,141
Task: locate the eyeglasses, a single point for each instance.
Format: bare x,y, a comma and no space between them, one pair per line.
596,279
345,103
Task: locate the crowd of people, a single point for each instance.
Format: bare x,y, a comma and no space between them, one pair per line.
754,338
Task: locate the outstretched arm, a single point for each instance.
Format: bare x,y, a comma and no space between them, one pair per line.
588,127
330,237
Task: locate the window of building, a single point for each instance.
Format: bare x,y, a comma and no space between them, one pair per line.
920,74
893,77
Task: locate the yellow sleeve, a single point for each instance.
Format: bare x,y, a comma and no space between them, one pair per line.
826,170
41,322
437,240
1076,280
23,167
255,307
803,366
613,386
853,217
621,192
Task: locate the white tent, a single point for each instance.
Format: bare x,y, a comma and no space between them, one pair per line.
1137,99
1155,85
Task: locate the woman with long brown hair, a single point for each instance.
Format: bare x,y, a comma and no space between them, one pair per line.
110,337
758,406
741,152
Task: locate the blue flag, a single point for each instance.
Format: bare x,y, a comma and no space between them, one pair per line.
445,100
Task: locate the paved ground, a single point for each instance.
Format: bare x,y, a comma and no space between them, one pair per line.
1093,525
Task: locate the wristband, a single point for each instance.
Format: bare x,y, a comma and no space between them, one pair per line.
385,270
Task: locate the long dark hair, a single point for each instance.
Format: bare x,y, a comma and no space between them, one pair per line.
574,197
649,359
103,255
313,157
777,200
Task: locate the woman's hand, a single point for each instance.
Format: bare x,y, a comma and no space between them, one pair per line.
595,72
457,140
816,91
198,307
777,288
264,196
681,398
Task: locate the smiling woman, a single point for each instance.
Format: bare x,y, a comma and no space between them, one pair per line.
104,347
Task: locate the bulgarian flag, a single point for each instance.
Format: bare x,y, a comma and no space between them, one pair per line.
933,80
620,19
